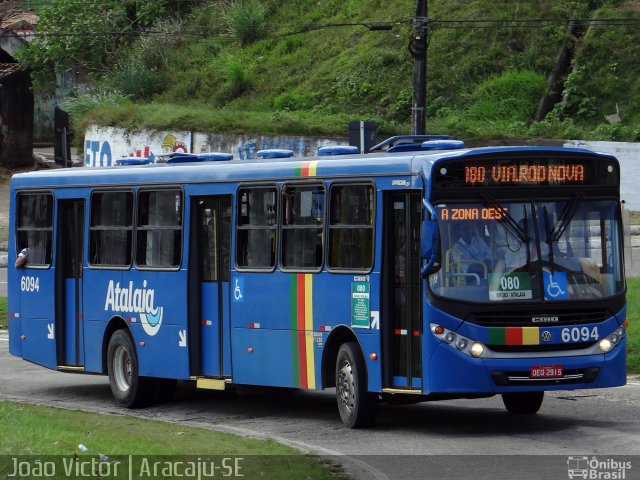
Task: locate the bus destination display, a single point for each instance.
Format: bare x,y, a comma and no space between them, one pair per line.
471,213
510,175
491,172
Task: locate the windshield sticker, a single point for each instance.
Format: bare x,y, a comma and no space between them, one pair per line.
555,286
510,286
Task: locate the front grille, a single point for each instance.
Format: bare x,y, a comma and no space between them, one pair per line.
540,348
514,379
499,319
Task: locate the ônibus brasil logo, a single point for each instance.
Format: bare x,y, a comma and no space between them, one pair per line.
135,300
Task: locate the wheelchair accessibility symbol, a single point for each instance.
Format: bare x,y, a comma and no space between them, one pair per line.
238,288
555,286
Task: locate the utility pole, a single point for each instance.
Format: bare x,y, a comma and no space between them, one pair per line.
418,49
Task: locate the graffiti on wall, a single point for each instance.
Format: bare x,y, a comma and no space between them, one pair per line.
244,148
103,146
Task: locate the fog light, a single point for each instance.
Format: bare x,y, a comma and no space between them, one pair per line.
605,345
461,344
477,349
450,337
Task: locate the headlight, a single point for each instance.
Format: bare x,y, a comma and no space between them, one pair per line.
477,349
461,343
605,345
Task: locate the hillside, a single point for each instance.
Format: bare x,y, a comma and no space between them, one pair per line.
240,66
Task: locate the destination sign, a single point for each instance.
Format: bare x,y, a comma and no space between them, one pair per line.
527,171
471,213
525,174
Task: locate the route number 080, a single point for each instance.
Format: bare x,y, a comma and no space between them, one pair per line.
30,284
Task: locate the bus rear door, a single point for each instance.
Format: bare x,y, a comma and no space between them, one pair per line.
70,236
209,336
401,319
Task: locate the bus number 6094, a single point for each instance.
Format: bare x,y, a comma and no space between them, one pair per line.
30,284
579,334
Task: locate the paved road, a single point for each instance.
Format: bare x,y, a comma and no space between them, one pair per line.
602,423
3,282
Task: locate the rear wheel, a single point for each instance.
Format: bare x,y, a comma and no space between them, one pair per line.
129,389
356,405
523,403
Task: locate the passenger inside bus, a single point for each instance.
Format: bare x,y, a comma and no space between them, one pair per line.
21,261
470,253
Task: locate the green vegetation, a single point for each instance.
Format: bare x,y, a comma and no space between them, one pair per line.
269,66
34,430
4,319
633,316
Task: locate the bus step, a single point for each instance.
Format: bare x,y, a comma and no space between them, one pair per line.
212,383
70,368
404,391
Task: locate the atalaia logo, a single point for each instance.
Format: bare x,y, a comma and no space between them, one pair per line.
135,300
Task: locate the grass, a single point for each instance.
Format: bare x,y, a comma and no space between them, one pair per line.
3,313
482,83
633,316
35,430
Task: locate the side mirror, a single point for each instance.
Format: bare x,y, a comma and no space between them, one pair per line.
429,240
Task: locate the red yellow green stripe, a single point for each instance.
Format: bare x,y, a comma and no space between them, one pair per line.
306,169
514,336
301,310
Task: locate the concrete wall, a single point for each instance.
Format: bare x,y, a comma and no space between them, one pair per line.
103,145
629,156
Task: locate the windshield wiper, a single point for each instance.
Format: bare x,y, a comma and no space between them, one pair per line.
522,234
563,222
549,235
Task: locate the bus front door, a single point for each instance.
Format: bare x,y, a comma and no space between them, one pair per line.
69,248
209,335
401,318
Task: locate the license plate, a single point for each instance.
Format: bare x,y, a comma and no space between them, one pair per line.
546,371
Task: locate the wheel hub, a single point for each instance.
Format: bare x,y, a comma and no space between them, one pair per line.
345,386
122,368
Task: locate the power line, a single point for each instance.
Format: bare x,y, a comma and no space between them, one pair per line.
272,31
532,23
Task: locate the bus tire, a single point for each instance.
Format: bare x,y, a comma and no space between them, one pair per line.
356,405
129,389
523,403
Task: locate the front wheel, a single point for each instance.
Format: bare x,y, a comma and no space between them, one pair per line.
356,405
129,389
523,403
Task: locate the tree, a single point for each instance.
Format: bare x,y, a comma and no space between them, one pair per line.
86,33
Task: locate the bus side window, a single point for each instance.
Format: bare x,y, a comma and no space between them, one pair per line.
159,229
34,228
351,227
111,230
257,228
302,226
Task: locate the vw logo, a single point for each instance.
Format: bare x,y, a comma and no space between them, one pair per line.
546,336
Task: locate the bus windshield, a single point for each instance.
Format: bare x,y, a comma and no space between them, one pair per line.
529,251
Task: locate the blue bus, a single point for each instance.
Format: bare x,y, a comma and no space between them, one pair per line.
402,276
